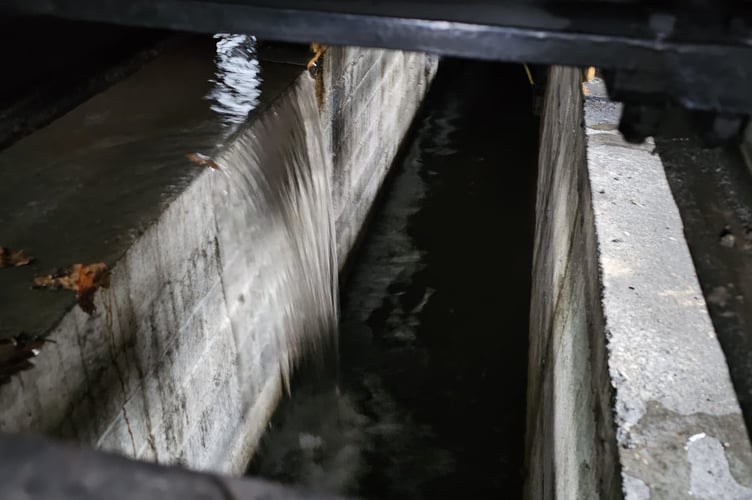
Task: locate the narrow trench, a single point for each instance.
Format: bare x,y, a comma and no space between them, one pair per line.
430,401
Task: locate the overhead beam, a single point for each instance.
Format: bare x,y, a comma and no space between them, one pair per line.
709,66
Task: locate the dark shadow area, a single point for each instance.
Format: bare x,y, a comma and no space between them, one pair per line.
50,66
713,190
434,321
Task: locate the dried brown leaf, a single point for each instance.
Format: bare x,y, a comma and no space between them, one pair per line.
14,258
60,278
16,354
202,161
90,279
84,279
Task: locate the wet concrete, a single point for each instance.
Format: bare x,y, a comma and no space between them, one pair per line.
431,400
50,66
181,361
85,187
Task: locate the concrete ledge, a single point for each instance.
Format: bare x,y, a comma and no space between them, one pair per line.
182,362
629,394
571,444
679,426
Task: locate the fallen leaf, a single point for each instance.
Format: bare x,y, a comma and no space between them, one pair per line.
84,279
16,354
90,279
10,258
202,161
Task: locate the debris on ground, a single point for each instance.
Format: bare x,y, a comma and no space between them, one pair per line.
84,279
14,258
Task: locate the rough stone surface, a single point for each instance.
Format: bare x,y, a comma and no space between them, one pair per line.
370,97
160,373
680,429
629,391
571,444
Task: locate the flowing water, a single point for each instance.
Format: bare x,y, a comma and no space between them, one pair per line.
278,217
427,400
431,395
277,190
96,178
176,138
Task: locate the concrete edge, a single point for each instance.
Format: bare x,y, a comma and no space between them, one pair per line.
570,438
679,427
168,370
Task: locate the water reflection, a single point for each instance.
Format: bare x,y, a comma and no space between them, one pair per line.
237,80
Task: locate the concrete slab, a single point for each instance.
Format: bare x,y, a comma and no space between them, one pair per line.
571,445
673,391
630,394
181,363
62,64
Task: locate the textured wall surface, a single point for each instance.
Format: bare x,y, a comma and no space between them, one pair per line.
629,391
370,99
161,371
570,437
679,426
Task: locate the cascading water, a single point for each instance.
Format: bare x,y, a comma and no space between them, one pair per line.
278,202
223,279
431,400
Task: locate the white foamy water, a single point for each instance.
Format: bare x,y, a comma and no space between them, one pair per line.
279,205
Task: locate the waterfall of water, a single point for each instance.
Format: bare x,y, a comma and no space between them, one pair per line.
277,201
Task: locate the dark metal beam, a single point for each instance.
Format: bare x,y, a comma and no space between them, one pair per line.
704,64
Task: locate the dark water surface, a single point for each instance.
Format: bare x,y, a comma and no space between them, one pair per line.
433,349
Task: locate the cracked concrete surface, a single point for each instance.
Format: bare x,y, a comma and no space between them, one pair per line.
680,429
629,391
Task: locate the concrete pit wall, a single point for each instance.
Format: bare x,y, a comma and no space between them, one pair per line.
629,394
155,373
571,447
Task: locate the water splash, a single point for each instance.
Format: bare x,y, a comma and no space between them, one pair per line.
278,203
326,441
237,79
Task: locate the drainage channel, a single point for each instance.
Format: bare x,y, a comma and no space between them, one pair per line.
430,399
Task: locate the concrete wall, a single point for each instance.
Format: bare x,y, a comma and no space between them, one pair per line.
370,96
571,444
629,391
161,372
